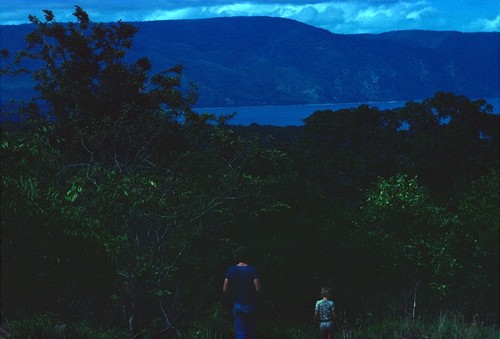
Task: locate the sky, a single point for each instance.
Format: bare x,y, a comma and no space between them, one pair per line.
346,17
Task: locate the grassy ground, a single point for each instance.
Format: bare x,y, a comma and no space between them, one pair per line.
445,327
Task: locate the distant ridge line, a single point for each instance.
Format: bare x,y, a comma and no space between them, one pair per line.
252,61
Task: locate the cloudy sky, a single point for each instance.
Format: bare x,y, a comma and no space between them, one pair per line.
344,16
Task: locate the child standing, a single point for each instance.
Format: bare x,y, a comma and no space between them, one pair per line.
324,311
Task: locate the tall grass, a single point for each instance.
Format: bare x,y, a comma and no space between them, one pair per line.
446,326
48,327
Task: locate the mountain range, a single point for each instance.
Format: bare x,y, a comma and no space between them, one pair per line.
241,61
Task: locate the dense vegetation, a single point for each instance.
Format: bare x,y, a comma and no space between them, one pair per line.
121,205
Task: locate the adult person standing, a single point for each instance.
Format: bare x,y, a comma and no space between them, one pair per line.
243,282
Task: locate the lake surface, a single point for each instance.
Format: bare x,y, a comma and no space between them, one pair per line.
293,115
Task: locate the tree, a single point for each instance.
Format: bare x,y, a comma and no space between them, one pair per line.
134,172
347,149
479,216
409,242
449,140
85,75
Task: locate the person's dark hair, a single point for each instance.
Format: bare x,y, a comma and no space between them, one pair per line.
242,254
326,292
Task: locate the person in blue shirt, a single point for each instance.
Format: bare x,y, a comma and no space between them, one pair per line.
243,282
324,311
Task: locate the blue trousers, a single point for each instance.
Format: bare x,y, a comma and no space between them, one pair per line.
244,321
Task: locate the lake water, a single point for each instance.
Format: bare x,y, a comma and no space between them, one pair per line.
293,115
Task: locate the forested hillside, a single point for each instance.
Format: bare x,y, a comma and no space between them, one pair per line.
121,207
262,61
